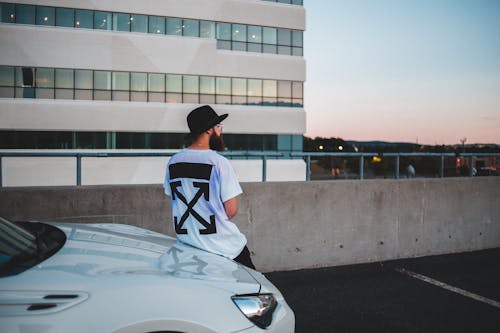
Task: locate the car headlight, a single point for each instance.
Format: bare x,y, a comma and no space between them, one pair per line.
258,308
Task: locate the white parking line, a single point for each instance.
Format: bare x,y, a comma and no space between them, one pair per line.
448,287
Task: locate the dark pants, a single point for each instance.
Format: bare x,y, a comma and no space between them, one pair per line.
244,258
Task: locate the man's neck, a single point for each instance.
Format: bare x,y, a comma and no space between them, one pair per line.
201,143
195,147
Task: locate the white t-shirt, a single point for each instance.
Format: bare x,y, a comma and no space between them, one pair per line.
199,182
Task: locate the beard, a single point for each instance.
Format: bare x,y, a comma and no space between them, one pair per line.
217,142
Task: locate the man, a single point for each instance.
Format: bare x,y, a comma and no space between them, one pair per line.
203,187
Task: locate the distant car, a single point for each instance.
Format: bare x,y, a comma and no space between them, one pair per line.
71,278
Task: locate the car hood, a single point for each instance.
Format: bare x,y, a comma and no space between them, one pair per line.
94,253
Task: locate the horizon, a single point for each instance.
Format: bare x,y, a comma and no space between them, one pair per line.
404,142
407,71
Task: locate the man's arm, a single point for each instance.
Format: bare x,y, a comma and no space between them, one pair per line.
231,207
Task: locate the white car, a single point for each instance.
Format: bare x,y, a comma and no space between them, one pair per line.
71,278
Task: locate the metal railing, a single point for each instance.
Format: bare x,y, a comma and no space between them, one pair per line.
79,155
308,156
396,156
264,156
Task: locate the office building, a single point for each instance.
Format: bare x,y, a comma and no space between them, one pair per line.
108,75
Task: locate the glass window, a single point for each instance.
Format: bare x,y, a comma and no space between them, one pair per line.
297,2
270,88
269,35
156,82
223,86
173,97
269,49
139,81
254,34
297,102
64,93
138,23
7,76
8,13
222,99
156,25
269,141
284,50
223,31
207,85
132,140
83,79
284,88
239,87
102,20
24,77
254,87
190,84
284,142
207,29
84,94
297,38
65,17
174,83
45,15
25,14
121,22
297,142
64,78
297,51
44,78
90,140
25,80
241,100
207,99
191,28
174,26
102,80
284,37
190,98
156,97
239,32
121,81
84,18
223,45
297,90
239,46
252,47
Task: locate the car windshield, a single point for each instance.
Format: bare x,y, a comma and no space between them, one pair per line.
25,244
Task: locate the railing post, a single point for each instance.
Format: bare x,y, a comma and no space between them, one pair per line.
471,173
264,168
308,168
397,166
78,170
361,167
441,167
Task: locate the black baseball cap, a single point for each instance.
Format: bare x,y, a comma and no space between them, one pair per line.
203,118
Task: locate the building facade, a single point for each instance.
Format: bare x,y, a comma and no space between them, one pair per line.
122,75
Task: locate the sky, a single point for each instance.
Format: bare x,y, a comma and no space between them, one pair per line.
425,71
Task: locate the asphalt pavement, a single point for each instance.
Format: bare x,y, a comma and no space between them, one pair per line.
448,293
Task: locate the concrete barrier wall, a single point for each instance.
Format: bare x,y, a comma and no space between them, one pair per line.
304,224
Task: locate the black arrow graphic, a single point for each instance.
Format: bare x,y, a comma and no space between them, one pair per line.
203,189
